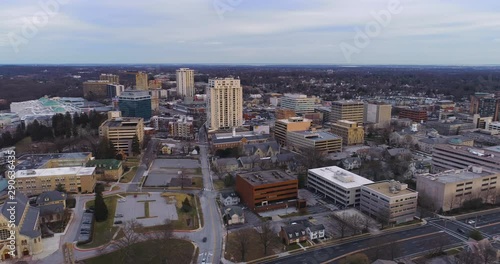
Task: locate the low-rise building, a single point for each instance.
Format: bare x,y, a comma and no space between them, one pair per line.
449,189
314,140
229,198
351,133
51,205
28,237
342,186
295,233
445,157
107,169
267,190
73,179
233,215
283,126
416,115
228,140
389,201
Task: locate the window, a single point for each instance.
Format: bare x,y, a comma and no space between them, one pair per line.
4,234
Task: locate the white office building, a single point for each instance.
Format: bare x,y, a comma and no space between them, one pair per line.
343,187
300,103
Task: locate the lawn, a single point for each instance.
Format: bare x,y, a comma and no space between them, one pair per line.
24,145
184,217
219,185
127,177
198,182
103,231
183,253
255,248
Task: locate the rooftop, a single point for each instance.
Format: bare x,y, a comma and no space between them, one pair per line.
451,176
316,135
64,171
484,153
294,119
347,102
390,188
105,163
35,161
341,177
266,177
122,121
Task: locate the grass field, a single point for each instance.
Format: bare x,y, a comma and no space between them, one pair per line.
219,185
182,253
127,177
198,182
181,224
103,231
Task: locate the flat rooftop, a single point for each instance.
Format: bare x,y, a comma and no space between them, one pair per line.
266,177
494,148
481,153
122,122
65,171
385,189
341,177
451,176
35,161
316,135
295,119
347,102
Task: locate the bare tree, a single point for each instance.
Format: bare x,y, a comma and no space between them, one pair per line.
242,240
131,236
266,235
343,223
465,257
161,248
312,158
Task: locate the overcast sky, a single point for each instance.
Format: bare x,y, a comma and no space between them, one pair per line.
449,32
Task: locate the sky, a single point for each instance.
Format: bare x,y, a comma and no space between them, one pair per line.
350,32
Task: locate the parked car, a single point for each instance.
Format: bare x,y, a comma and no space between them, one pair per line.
89,211
119,222
471,222
83,232
118,215
86,222
122,200
460,231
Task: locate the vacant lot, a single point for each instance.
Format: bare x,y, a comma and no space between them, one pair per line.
255,249
186,220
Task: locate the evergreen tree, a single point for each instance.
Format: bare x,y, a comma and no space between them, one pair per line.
84,120
19,135
101,210
186,205
60,188
7,139
76,119
111,153
67,124
136,148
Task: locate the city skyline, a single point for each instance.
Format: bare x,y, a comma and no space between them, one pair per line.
250,32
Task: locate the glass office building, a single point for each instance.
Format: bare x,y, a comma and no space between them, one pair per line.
135,104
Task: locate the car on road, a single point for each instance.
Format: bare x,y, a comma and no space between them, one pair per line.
204,239
122,200
471,222
460,231
204,261
119,222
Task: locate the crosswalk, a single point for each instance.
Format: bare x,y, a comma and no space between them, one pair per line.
205,258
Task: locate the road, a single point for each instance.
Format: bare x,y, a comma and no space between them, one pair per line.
212,229
147,158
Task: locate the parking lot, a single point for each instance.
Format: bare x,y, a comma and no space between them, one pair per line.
133,208
85,228
164,170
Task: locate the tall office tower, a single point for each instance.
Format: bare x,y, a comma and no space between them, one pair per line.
224,103
115,90
110,78
300,103
141,81
135,104
485,105
347,110
185,82
378,113
95,89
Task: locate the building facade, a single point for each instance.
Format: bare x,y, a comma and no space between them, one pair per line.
446,157
389,201
416,115
449,189
185,82
73,179
300,103
107,169
284,113
114,90
93,89
485,105
377,113
121,130
224,103
267,190
111,78
135,104
349,131
342,186
314,140
182,128
347,110
28,237
141,81
283,126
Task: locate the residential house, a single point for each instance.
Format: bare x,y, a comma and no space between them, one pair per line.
51,205
351,163
233,215
294,233
316,231
229,198
107,169
227,164
266,149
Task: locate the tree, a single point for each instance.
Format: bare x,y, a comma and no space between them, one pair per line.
105,150
302,178
242,241
101,210
131,235
186,205
136,147
266,235
161,248
60,188
312,158
476,235
343,225
228,180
